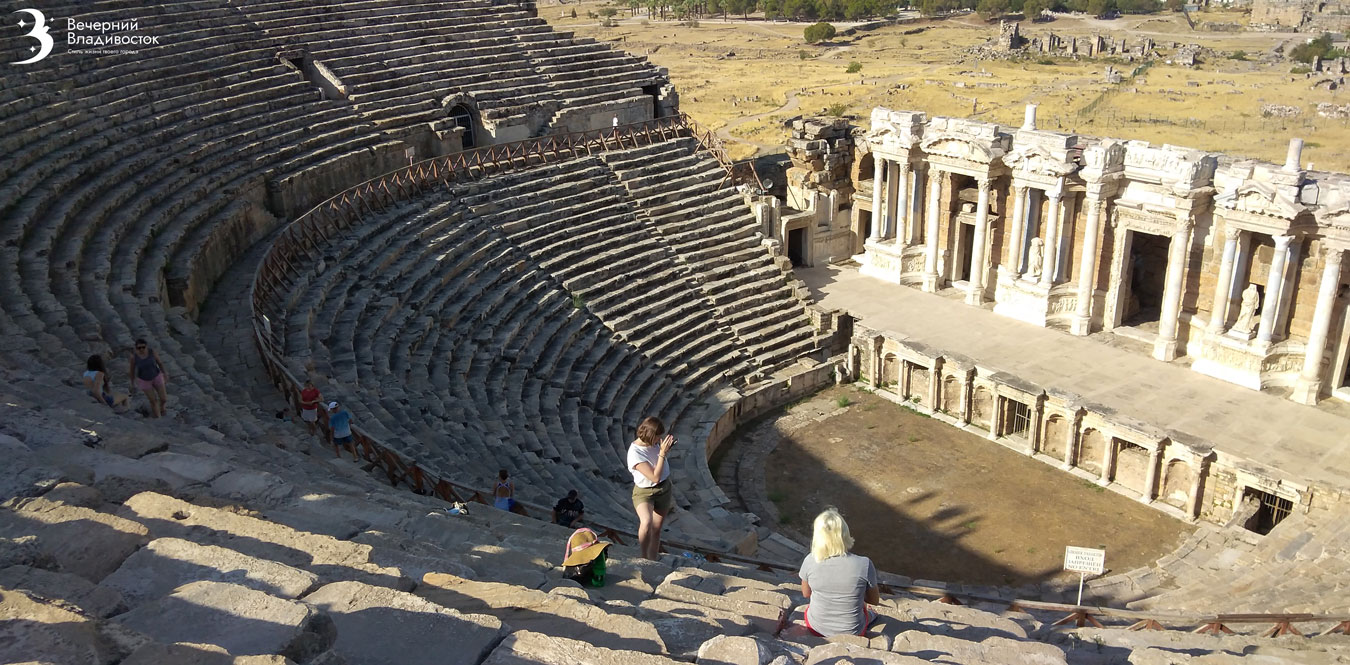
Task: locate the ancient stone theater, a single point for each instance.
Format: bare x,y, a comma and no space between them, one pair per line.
492,248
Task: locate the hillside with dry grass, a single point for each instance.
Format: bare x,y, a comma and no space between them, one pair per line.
745,77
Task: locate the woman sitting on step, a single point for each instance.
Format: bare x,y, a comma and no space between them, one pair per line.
839,586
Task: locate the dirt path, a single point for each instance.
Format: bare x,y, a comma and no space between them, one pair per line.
929,501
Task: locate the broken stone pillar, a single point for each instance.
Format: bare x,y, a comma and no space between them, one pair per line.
1294,156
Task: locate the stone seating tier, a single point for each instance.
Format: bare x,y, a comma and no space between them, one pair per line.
147,544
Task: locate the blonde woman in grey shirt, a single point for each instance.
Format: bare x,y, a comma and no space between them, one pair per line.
838,585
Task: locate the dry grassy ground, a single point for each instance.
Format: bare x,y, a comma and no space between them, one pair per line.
929,501
1215,106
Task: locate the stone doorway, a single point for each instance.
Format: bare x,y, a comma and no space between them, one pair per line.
1270,510
654,91
796,247
964,244
463,117
1147,279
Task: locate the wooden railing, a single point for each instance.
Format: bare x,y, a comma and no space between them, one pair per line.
310,233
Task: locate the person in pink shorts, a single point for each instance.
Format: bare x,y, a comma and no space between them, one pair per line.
147,373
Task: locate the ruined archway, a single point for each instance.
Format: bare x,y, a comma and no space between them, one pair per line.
1055,440
982,408
1177,480
1092,452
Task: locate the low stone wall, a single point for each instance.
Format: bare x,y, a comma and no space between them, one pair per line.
1173,472
744,407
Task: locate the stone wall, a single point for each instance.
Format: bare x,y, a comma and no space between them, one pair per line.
1301,15
1182,477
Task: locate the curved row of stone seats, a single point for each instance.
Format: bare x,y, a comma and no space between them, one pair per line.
501,54
569,225
405,84
1291,569
148,154
151,156
476,409
579,226
717,238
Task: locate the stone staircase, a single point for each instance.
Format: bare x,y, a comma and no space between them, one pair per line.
150,542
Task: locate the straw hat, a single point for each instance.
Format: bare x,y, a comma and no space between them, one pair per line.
583,547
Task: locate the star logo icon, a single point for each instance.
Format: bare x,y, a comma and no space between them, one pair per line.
33,49
22,23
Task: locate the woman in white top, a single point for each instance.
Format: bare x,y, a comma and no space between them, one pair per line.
652,494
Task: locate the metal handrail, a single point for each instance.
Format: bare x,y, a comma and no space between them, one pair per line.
309,231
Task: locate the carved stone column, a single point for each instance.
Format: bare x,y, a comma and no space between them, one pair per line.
1050,258
1151,478
878,374
935,386
916,205
1111,317
1165,347
1223,290
1201,470
892,208
930,276
1310,379
996,423
967,392
1037,429
1075,439
975,296
1087,269
878,184
1274,290
901,231
1108,459
1015,241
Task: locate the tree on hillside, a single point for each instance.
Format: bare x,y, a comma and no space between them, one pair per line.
819,32
856,9
800,9
1032,9
1138,6
992,9
742,7
1316,48
936,7
772,8
1100,8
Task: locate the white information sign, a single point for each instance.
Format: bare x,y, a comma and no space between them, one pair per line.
1084,560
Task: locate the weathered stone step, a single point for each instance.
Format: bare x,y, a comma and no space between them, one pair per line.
382,626
564,612
243,621
167,563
